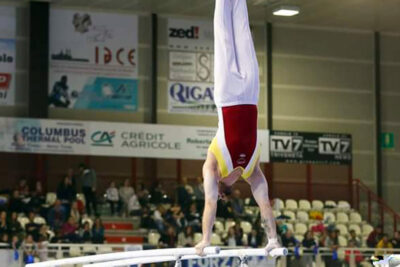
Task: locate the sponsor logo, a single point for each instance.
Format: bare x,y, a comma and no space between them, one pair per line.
334,146
191,93
5,80
121,56
4,58
242,159
286,144
35,134
191,33
102,138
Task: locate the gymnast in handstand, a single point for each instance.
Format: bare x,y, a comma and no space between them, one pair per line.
234,152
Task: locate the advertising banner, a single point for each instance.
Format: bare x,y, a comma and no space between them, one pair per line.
191,67
110,139
314,148
93,60
7,55
230,262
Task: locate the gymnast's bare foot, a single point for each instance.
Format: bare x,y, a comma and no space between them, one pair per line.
200,248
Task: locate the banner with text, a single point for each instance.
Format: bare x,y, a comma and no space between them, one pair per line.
191,67
314,148
7,55
93,60
110,139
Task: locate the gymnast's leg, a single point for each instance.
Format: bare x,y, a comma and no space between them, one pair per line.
259,188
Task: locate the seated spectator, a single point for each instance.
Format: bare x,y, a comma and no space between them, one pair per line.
69,231
309,244
28,247
198,192
134,207
224,208
98,231
384,242
396,240
125,193
186,238
230,239
183,194
58,237
374,237
288,239
353,237
85,233
146,219
158,218
237,204
23,188
15,242
56,216
4,240
357,254
16,203
175,217
113,198
238,234
254,239
14,227
75,213
66,193
143,195
156,193
168,240
43,234
3,223
31,228
193,217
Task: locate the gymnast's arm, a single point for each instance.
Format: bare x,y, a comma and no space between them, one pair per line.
210,172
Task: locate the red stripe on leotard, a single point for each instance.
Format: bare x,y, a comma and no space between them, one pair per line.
240,127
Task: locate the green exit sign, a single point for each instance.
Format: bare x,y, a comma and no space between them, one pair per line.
387,140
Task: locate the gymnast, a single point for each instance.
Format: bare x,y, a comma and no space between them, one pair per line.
234,152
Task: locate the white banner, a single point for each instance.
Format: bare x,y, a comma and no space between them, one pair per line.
110,139
93,60
7,55
186,34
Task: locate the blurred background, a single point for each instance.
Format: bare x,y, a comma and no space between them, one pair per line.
106,113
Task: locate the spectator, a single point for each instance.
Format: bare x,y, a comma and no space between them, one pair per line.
66,193
16,203
198,191
237,205
156,193
4,240
85,233
396,240
14,227
15,242
374,237
158,217
69,231
384,242
193,217
183,195
357,254
89,183
28,246
56,216
146,219
23,188
143,195
134,207
72,177
230,239
186,238
98,231
168,240
175,217
309,244
332,242
126,192
31,228
37,198
254,239
113,198
288,240
3,223
75,213
353,237
238,234
43,233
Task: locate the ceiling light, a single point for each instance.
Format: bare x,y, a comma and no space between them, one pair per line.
286,11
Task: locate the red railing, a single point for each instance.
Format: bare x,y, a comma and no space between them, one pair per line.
374,208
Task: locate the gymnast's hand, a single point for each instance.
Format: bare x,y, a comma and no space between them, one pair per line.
272,244
200,248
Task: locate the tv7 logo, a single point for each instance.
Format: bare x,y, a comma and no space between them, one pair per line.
286,143
333,146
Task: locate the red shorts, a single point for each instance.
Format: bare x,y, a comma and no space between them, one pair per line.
235,145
